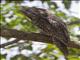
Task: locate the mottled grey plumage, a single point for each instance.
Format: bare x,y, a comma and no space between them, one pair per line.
50,25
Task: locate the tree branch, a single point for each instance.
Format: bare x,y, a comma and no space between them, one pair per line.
20,35
8,43
74,22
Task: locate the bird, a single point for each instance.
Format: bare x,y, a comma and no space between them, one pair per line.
50,25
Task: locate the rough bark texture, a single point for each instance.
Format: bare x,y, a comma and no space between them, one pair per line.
27,36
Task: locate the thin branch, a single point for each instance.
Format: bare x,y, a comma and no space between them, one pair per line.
9,43
73,44
74,22
26,36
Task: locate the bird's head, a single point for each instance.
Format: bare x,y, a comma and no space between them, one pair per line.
34,13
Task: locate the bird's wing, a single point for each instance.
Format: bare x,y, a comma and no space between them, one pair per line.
59,29
60,33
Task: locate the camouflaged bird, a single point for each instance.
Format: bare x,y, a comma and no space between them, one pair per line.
50,25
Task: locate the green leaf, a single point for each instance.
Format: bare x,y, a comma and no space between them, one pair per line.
67,3
61,14
2,57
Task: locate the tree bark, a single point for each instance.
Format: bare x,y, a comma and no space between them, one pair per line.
28,36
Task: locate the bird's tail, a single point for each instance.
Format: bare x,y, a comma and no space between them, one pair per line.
63,48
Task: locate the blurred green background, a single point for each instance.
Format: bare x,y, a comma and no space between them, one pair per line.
11,17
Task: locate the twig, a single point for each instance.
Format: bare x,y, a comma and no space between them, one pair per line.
74,22
9,43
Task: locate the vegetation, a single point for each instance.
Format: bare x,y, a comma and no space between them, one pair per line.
12,18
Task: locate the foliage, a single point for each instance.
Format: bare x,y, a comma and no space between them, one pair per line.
11,17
